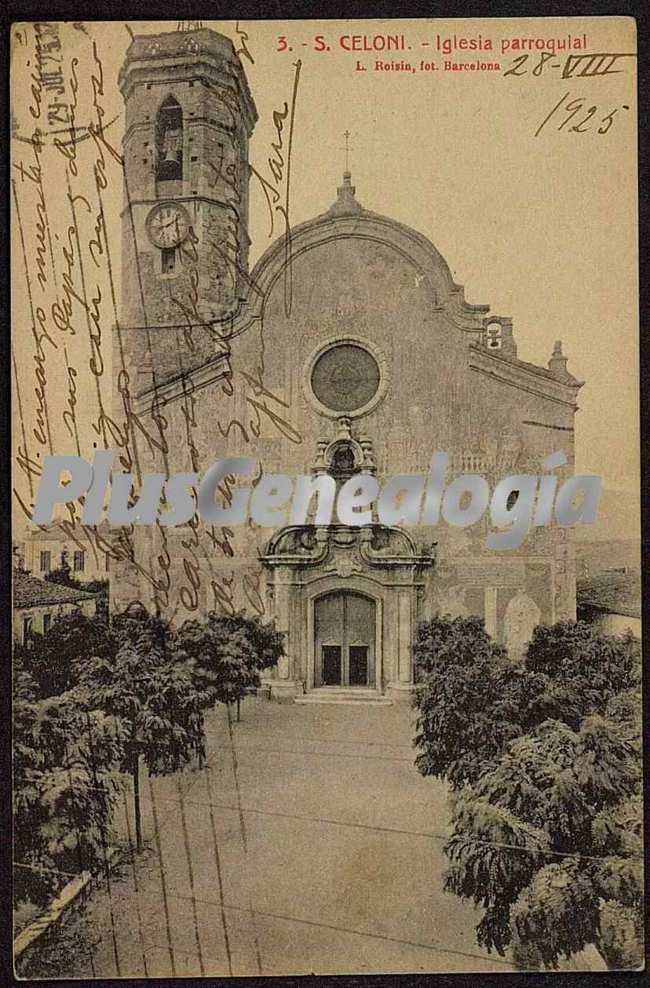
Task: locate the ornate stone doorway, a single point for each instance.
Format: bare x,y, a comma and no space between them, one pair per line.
345,629
348,600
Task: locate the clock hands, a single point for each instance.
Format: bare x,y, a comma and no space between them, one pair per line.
163,226
175,222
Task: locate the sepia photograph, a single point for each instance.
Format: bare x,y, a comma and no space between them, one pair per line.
326,544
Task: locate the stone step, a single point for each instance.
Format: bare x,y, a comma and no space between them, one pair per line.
336,694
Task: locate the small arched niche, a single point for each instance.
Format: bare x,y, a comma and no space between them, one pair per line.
169,141
343,462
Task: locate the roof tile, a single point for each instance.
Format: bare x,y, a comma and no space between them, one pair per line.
29,591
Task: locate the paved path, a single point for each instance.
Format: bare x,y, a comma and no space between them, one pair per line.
309,843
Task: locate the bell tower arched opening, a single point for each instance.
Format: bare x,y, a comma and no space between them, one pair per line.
169,142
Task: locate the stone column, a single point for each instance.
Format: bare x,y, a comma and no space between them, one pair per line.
404,638
491,611
402,685
284,687
565,578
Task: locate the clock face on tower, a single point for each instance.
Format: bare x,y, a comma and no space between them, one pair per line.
168,224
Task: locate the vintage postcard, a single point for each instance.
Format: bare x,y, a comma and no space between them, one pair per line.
326,537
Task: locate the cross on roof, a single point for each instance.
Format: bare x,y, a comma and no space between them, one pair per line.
347,149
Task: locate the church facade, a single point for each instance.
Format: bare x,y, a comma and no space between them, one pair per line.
347,349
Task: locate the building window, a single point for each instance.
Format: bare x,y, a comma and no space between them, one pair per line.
27,630
168,256
47,623
345,377
169,141
79,561
107,563
46,561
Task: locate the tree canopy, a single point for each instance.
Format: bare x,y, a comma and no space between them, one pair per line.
543,759
63,789
55,659
228,652
155,704
148,681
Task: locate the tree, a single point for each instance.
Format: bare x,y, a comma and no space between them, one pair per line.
227,653
63,790
135,624
465,709
63,576
155,704
55,659
266,642
581,669
544,796
101,590
255,645
63,573
543,758
619,883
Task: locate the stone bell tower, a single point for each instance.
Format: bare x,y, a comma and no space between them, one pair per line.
189,117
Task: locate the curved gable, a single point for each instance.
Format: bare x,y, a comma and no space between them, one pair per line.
347,220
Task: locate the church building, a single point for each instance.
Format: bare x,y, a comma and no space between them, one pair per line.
348,348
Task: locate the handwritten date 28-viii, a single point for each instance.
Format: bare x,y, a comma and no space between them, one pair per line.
582,117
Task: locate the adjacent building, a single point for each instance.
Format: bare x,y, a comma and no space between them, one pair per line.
611,601
38,603
42,550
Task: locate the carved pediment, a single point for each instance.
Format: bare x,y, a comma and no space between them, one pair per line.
370,545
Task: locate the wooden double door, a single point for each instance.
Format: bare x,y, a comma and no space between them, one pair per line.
345,626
